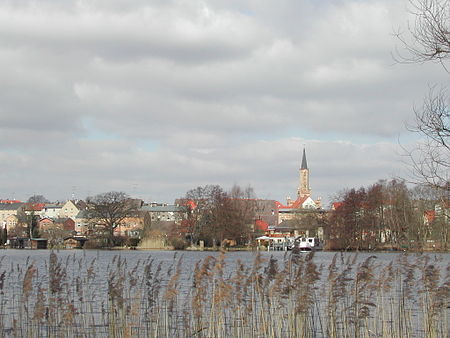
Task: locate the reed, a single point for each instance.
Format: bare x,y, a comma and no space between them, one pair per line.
289,297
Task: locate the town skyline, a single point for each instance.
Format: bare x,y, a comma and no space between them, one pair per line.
155,99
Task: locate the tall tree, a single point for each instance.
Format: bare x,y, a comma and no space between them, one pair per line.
3,233
238,214
108,210
399,214
37,199
382,214
203,217
29,222
217,215
428,40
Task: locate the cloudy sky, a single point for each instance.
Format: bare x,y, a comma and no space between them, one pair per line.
155,97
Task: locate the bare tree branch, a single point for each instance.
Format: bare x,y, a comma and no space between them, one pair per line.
428,39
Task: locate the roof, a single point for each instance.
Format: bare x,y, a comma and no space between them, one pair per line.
10,206
53,206
186,202
62,219
296,205
261,225
9,201
82,214
337,205
430,215
77,238
164,208
304,163
80,204
34,206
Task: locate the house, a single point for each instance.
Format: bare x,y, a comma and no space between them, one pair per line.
165,213
81,222
266,214
81,205
69,210
309,223
28,243
74,242
34,209
45,223
288,212
65,223
11,222
7,210
39,243
52,210
130,226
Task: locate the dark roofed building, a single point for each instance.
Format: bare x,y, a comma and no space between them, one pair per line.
308,223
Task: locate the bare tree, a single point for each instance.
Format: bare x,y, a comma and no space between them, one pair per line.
203,218
108,210
430,158
428,40
37,199
383,214
219,215
427,37
239,214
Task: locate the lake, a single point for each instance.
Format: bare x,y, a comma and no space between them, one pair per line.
154,293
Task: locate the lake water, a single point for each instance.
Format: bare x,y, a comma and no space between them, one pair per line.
98,270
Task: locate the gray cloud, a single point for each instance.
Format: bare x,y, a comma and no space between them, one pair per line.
157,97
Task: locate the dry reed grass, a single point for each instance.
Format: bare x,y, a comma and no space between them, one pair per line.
293,297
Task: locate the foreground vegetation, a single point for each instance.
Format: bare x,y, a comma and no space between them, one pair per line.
407,297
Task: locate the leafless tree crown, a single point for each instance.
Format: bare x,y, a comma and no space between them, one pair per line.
428,39
428,36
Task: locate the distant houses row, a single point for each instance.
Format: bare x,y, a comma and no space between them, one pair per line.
71,216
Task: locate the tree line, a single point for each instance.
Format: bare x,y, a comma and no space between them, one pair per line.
388,214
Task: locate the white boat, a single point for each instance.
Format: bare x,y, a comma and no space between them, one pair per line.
306,244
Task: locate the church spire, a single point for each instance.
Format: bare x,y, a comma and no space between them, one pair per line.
304,163
303,188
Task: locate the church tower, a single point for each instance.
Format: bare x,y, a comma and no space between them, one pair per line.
303,189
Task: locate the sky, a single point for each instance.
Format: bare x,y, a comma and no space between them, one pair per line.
157,97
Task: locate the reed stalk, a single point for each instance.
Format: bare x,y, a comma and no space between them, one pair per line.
290,297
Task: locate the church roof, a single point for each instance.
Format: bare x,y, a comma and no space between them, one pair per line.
304,163
298,203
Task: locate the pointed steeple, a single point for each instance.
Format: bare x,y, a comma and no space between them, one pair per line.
303,188
304,163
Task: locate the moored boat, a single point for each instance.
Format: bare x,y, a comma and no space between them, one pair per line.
306,244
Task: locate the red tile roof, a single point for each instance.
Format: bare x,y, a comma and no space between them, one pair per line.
261,225
34,206
297,203
430,215
337,205
9,201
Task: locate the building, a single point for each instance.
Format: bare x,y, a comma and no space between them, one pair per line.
69,210
266,214
9,214
304,190
302,216
303,200
165,213
52,210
